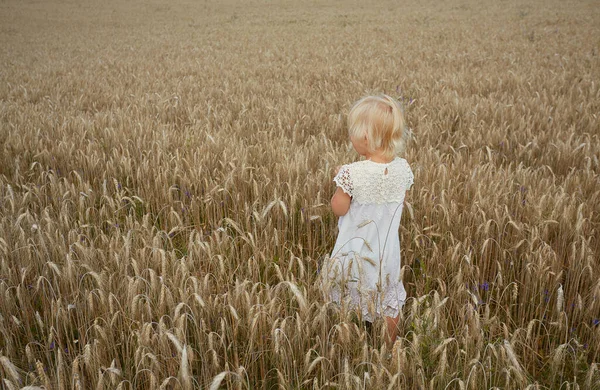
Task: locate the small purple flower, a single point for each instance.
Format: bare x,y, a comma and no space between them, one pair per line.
523,202
119,186
546,296
596,322
485,286
52,345
188,194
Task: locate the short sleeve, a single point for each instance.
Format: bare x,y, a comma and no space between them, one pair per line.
343,180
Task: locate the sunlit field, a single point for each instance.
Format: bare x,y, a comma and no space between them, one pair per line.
165,176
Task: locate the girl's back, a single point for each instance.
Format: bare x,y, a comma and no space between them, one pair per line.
367,251
364,269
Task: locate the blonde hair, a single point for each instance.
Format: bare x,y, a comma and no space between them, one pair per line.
381,120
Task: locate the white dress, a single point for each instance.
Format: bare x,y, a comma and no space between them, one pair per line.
364,268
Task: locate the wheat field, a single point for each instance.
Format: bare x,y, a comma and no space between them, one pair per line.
165,176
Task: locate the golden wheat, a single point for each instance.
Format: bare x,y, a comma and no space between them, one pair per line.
165,170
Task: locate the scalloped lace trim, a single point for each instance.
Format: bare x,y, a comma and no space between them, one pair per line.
371,304
342,180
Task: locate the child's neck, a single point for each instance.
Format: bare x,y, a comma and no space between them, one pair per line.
378,157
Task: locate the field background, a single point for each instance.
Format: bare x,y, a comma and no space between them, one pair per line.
165,173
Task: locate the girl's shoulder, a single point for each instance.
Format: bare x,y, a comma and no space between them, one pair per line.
368,165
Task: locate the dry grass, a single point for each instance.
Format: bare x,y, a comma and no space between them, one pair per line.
165,171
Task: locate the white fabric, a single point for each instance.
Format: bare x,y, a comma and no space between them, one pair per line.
364,268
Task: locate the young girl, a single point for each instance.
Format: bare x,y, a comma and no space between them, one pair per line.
364,268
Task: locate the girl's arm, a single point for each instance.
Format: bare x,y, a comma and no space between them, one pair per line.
340,202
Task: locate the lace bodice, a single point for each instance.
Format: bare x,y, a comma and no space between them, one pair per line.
370,182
